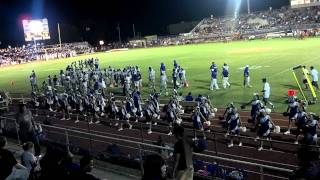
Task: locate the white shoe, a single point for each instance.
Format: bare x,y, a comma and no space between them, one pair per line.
147,122
230,145
116,124
76,121
149,131
296,142
68,119
90,122
50,109
102,114
170,133
136,120
287,132
97,122
120,129
62,119
260,148
240,144
270,149
208,130
130,126
155,123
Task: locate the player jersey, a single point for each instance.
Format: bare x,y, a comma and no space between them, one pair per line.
225,72
234,122
214,74
246,72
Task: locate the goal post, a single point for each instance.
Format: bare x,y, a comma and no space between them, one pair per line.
301,75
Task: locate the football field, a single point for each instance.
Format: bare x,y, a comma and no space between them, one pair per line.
272,59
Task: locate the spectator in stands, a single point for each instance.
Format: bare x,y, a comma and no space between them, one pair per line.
183,169
154,168
50,164
68,165
309,164
86,166
27,131
7,160
189,97
27,158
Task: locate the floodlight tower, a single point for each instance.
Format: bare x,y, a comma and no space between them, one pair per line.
248,6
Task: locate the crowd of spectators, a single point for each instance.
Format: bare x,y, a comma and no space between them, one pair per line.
55,164
23,54
273,18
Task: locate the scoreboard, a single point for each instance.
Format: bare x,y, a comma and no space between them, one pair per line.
36,29
303,2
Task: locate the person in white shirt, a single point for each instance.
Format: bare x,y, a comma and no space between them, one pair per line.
152,78
266,92
314,75
163,84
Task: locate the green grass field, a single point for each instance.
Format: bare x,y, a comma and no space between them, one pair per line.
272,59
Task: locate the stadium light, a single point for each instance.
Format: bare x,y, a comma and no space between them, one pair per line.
237,8
35,26
101,42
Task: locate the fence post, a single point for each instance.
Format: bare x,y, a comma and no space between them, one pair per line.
261,173
141,159
215,143
67,141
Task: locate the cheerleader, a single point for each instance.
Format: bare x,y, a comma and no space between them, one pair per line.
112,109
310,129
264,128
101,103
154,100
64,106
124,116
137,102
198,122
234,124
130,108
149,113
171,115
49,103
292,111
301,121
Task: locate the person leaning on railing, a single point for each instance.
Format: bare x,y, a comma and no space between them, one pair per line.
27,127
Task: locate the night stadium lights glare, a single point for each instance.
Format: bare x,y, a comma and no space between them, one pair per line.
237,8
35,26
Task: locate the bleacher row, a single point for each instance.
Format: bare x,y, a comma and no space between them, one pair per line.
259,21
282,155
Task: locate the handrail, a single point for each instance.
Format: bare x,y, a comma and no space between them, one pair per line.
167,148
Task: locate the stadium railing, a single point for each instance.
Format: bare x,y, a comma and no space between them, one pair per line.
213,132
67,134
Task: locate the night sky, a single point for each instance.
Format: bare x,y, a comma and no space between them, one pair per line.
149,16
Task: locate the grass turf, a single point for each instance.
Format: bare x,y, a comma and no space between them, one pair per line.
272,59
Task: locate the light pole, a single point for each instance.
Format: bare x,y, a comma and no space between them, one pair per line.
248,6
